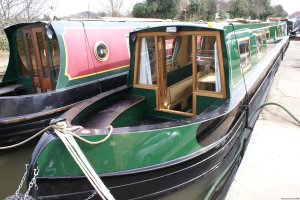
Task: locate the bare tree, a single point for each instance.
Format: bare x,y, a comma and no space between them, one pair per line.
33,9
12,11
183,4
9,10
114,8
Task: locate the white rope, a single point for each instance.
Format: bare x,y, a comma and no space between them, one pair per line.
27,140
62,126
66,135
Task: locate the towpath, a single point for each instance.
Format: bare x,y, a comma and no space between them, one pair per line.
270,168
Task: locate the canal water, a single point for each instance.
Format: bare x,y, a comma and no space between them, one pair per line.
12,168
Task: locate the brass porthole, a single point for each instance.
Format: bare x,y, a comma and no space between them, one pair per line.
101,51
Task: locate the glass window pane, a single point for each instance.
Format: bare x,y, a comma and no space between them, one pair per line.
55,54
259,43
244,51
22,57
147,65
178,52
43,54
32,55
169,57
177,81
208,74
268,40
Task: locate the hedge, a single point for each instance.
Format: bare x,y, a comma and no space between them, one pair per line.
4,43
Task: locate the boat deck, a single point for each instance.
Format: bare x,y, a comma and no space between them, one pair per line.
270,167
105,117
4,90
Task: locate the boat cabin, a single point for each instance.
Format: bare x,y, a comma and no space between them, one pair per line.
181,71
180,66
45,57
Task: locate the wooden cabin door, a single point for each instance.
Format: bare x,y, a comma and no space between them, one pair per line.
175,74
38,58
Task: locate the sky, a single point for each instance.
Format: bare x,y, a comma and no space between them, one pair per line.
290,6
67,7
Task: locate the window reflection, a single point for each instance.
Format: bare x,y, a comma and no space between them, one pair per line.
43,54
244,51
268,40
55,54
32,54
259,45
208,75
178,52
22,57
147,64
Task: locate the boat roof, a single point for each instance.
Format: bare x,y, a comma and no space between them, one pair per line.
221,26
149,22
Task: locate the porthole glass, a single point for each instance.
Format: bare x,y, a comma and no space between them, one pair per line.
101,51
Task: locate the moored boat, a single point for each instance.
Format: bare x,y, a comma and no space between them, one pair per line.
295,24
183,120
53,66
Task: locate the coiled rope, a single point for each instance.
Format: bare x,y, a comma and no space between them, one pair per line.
66,135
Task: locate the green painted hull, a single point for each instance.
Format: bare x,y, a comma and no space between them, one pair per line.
126,151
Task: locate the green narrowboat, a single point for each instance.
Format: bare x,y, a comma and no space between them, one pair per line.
295,27
53,66
183,121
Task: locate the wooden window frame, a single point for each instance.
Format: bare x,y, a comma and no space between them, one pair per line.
136,83
195,92
39,80
222,93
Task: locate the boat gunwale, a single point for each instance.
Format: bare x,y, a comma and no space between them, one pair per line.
18,119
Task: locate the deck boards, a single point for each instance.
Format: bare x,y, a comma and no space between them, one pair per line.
104,118
9,89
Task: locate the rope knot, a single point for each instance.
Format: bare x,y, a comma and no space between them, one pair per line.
62,126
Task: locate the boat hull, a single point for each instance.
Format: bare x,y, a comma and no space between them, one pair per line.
209,171
23,116
202,169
